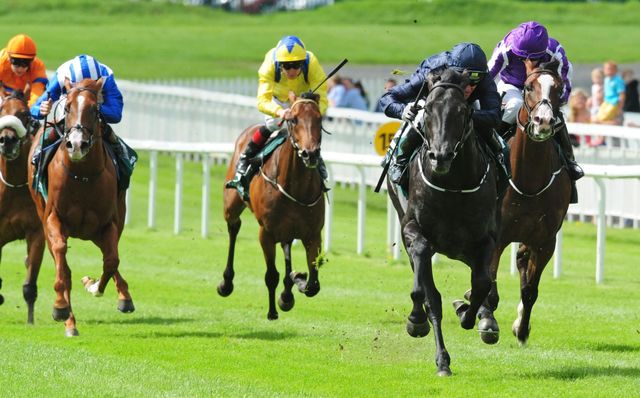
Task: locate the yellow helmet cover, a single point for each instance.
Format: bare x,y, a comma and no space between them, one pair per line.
290,49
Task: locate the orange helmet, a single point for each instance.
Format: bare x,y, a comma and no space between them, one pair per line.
21,46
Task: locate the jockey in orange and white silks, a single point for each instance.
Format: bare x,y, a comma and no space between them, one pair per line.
20,66
288,67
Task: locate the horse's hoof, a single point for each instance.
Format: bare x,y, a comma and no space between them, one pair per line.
1,299
519,334
300,279
126,306
225,289
489,330
286,305
61,314
467,295
71,332
444,372
312,289
272,317
460,307
418,329
91,286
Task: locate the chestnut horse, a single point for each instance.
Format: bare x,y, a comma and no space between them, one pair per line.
83,200
18,217
537,199
287,200
451,208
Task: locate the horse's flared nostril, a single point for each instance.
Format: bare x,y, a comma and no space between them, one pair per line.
84,145
304,154
68,145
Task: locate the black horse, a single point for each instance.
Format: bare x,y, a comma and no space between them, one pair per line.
451,207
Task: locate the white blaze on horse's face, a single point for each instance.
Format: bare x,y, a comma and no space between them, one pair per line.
77,146
542,116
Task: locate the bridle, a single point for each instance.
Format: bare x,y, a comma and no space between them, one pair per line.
79,126
468,121
527,128
291,124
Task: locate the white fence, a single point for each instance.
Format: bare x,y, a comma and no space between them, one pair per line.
183,120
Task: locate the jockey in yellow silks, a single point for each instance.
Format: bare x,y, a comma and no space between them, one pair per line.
288,67
20,67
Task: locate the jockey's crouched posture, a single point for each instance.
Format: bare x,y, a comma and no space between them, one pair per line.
397,103
530,42
288,67
75,70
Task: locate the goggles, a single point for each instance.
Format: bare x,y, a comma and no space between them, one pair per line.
21,62
475,77
292,65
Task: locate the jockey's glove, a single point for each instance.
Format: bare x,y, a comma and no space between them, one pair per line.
409,113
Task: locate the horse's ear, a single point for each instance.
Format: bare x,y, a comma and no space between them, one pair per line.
99,83
27,91
310,95
67,84
432,79
292,97
529,65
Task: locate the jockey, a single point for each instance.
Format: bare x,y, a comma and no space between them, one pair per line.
397,103
20,67
288,67
75,70
530,41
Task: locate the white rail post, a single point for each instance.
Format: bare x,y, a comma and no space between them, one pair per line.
362,204
127,201
391,230
153,182
398,239
328,211
602,227
206,168
557,255
177,206
514,255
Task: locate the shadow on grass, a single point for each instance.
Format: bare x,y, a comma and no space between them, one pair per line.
266,335
605,347
151,320
582,372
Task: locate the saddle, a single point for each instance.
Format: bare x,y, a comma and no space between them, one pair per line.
275,140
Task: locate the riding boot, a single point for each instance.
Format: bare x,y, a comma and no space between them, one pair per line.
49,136
407,144
506,130
114,142
500,151
244,170
563,139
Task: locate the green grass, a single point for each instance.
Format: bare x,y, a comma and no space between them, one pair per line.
152,39
185,340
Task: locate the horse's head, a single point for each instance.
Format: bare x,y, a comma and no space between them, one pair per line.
82,117
15,120
305,128
447,118
542,91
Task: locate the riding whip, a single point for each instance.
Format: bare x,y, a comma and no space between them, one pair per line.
414,108
333,72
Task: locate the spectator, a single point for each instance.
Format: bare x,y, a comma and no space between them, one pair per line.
579,113
335,90
363,92
352,97
388,85
610,112
631,102
597,92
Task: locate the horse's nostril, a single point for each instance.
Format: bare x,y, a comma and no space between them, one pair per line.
305,155
84,145
69,145
432,156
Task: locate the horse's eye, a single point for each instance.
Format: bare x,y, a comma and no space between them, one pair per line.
528,87
294,120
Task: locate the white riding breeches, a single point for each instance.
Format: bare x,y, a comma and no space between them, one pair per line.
511,101
273,123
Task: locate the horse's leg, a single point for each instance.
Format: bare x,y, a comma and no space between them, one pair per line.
312,249
530,273
57,241
272,275
424,292
232,213
33,261
480,284
286,299
488,325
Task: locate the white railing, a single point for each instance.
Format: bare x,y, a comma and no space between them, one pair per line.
183,120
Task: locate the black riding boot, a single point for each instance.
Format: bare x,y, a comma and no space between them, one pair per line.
244,171
501,154
409,142
50,135
506,130
112,139
562,138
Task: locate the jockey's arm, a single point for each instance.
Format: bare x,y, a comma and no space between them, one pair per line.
111,108
38,75
394,101
488,117
52,93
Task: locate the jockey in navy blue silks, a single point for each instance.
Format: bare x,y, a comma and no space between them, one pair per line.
398,103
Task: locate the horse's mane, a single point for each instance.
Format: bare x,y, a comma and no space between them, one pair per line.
550,66
447,75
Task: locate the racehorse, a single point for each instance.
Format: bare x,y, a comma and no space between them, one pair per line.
18,217
537,199
83,200
287,200
451,207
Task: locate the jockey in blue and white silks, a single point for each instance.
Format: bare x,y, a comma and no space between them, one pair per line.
529,40
77,69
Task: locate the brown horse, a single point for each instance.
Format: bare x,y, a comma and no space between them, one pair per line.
287,200
536,201
18,217
83,200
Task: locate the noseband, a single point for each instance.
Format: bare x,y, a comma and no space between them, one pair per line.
469,128
527,128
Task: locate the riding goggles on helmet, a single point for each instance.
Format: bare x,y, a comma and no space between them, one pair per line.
476,77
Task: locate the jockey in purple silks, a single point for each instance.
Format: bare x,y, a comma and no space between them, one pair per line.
530,41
